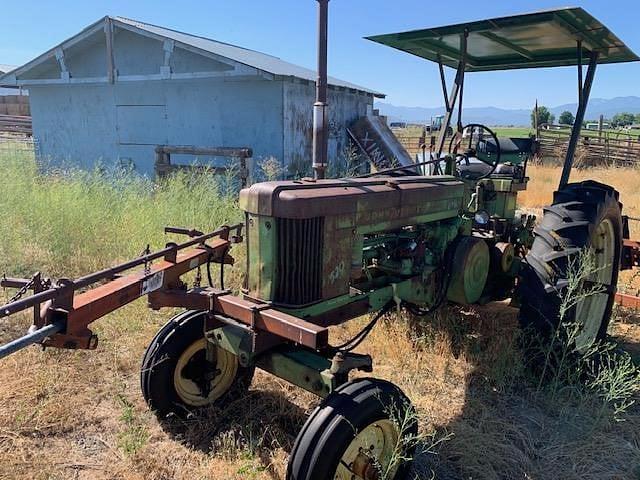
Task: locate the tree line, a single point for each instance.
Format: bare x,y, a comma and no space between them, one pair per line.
567,118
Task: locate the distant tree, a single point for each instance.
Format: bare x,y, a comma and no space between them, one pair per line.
566,118
622,119
544,116
637,117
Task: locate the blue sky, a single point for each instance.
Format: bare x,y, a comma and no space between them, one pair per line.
286,28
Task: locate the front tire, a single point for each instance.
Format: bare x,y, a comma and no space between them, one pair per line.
365,429
173,373
584,215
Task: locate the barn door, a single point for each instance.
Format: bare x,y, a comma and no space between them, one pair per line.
140,129
141,124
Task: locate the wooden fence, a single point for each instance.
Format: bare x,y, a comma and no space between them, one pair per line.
411,139
15,124
607,149
15,105
164,167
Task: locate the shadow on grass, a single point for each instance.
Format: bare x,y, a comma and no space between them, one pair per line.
506,429
510,428
253,426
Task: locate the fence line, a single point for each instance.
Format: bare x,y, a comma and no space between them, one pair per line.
594,149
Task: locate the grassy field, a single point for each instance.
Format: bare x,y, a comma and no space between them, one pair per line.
514,132
80,415
523,132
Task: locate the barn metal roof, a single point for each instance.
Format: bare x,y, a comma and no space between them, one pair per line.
258,60
261,61
6,68
541,39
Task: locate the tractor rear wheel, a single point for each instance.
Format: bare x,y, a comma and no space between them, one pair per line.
177,379
587,217
364,430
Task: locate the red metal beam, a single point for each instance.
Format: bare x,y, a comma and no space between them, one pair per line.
260,316
93,304
626,300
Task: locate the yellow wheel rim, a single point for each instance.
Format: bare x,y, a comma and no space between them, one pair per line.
371,454
226,365
590,311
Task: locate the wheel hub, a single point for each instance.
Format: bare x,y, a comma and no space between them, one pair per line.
590,311
370,455
199,382
365,467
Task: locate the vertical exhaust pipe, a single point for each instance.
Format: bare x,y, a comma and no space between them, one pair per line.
320,127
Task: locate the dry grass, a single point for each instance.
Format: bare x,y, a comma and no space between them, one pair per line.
79,415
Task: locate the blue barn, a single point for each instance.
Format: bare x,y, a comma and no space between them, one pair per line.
120,87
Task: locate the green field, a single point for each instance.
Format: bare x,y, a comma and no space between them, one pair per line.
514,132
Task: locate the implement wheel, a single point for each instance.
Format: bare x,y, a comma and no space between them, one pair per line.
175,375
365,430
584,215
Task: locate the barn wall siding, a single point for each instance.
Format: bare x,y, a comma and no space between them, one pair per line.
122,123
74,125
79,118
344,108
88,59
135,55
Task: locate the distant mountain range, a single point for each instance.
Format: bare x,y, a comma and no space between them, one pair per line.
516,117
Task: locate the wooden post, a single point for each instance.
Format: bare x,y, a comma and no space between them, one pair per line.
535,120
600,125
108,31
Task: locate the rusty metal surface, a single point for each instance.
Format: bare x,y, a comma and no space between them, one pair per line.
628,301
58,291
98,302
342,313
62,306
630,259
310,198
259,316
264,317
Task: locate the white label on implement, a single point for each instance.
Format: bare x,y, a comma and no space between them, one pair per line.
154,282
194,263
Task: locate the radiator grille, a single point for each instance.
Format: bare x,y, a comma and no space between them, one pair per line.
299,263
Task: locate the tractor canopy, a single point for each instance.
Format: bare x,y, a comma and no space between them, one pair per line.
541,39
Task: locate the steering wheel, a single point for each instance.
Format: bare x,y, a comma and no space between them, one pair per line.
473,142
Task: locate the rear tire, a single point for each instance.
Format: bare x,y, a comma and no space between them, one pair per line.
362,424
173,365
584,215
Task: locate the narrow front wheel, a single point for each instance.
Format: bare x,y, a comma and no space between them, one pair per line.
365,430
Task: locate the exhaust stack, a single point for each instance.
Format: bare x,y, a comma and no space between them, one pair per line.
320,127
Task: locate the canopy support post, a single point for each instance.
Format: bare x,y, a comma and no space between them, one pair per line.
453,97
443,81
579,72
585,91
463,56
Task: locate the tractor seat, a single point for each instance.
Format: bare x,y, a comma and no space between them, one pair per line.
505,169
475,169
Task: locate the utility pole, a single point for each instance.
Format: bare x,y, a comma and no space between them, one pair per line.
320,127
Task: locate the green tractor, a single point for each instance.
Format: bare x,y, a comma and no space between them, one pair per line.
327,251
323,252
